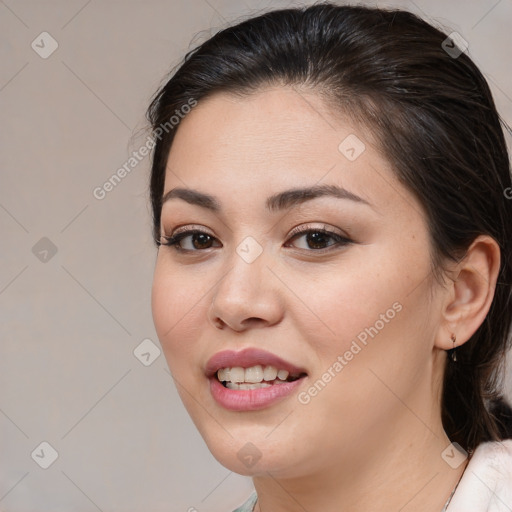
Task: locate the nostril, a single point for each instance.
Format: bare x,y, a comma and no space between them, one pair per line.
217,322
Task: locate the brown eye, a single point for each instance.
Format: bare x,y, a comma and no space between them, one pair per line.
201,240
317,239
192,240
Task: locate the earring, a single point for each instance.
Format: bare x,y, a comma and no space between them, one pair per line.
453,354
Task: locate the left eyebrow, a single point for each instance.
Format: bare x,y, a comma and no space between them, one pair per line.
289,198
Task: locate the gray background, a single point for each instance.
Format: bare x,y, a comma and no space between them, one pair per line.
70,321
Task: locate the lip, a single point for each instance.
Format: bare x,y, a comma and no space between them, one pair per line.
247,358
250,399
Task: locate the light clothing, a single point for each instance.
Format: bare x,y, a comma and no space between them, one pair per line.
485,486
248,506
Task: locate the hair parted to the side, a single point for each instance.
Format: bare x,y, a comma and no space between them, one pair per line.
435,121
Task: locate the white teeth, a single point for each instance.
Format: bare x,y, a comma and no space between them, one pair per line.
224,374
252,375
236,374
282,374
234,385
269,373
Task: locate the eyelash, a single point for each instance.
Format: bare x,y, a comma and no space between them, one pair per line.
339,240
305,230
174,240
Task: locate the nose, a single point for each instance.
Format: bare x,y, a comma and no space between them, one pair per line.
248,296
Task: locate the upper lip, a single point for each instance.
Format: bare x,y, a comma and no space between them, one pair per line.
247,358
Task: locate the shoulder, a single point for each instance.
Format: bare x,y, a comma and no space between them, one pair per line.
495,452
249,504
487,481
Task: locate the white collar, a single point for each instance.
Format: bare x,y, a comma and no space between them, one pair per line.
486,485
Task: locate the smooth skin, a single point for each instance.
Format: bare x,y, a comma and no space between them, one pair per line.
372,438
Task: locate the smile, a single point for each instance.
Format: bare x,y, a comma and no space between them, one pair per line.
251,379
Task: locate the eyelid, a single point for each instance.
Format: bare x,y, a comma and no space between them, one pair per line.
175,239
190,227
304,228
341,239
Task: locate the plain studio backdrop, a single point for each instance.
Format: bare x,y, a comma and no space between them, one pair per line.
89,416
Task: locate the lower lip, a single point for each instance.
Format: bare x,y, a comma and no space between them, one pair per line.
251,399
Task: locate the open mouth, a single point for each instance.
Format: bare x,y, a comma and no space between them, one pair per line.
255,377
251,379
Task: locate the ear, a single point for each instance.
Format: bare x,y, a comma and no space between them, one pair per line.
469,293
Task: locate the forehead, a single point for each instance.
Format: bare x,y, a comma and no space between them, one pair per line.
271,125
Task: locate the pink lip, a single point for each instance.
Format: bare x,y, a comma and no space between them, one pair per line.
249,399
246,358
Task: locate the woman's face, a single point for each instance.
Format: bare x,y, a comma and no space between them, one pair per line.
332,284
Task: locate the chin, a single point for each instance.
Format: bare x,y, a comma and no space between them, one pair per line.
248,463
251,455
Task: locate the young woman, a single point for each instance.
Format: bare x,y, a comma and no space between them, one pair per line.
332,209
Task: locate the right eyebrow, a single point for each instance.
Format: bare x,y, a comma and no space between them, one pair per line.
193,197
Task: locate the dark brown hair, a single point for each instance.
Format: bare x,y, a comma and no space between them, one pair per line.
434,118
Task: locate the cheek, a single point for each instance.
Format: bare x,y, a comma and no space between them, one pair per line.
375,330
342,301
366,311
179,306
